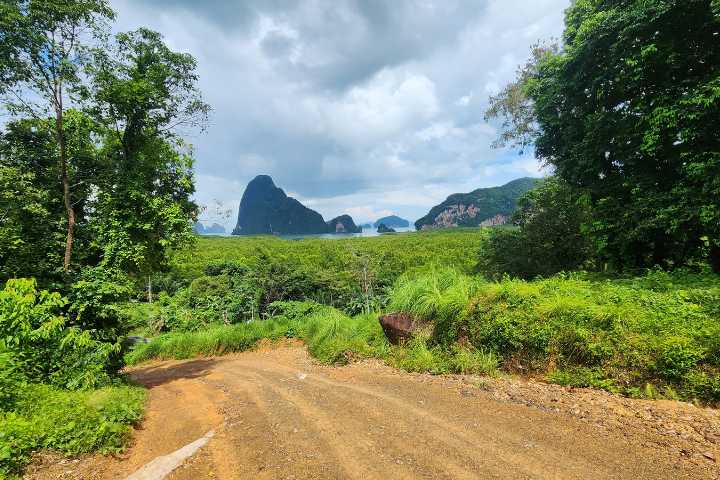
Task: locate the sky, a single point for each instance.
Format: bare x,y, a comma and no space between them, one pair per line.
365,107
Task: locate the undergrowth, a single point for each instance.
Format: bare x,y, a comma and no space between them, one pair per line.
72,422
652,336
331,336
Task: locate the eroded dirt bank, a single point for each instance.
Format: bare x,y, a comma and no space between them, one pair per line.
278,414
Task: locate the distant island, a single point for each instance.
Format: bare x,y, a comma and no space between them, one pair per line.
214,229
392,221
343,224
483,207
266,209
382,228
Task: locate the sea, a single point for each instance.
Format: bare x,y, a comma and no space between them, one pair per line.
367,232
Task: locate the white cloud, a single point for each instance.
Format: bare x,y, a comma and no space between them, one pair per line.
356,106
464,101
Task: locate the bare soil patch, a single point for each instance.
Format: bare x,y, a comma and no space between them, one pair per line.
279,414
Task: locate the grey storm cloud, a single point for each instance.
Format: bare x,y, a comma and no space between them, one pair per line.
361,107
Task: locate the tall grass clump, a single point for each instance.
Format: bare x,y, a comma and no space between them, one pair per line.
212,341
441,296
331,336
659,332
334,337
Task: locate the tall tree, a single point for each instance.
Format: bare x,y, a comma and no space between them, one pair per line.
144,94
627,112
32,213
41,54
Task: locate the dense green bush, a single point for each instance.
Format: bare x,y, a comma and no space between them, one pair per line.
548,237
48,369
615,334
72,422
35,337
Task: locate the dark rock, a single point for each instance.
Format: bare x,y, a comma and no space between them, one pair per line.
343,224
398,327
382,228
265,209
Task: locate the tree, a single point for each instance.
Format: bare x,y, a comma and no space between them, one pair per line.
32,214
549,237
627,112
142,93
41,54
514,106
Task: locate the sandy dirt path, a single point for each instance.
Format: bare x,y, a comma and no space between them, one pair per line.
277,414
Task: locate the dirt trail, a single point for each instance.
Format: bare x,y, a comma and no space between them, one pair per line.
277,414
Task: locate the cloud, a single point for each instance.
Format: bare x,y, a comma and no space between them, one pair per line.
362,106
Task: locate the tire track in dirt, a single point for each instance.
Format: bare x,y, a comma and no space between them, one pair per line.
278,414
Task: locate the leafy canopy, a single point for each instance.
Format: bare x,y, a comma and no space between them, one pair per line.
627,112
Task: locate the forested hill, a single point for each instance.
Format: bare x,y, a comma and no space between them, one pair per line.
481,207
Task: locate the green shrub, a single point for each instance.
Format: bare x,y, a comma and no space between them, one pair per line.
43,347
72,422
12,378
549,237
614,334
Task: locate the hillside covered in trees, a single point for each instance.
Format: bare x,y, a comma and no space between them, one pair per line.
481,207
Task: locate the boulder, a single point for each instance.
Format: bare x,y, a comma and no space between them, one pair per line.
398,327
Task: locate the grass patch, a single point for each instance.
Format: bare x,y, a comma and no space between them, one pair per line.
72,422
658,333
330,335
652,336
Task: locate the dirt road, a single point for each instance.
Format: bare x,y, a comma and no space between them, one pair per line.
276,414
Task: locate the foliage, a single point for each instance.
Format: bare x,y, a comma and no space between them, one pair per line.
488,203
41,59
620,334
32,231
140,92
549,238
636,131
390,256
72,422
228,280
515,107
123,195
40,346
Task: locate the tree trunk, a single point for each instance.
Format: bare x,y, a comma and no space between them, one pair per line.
715,257
59,131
